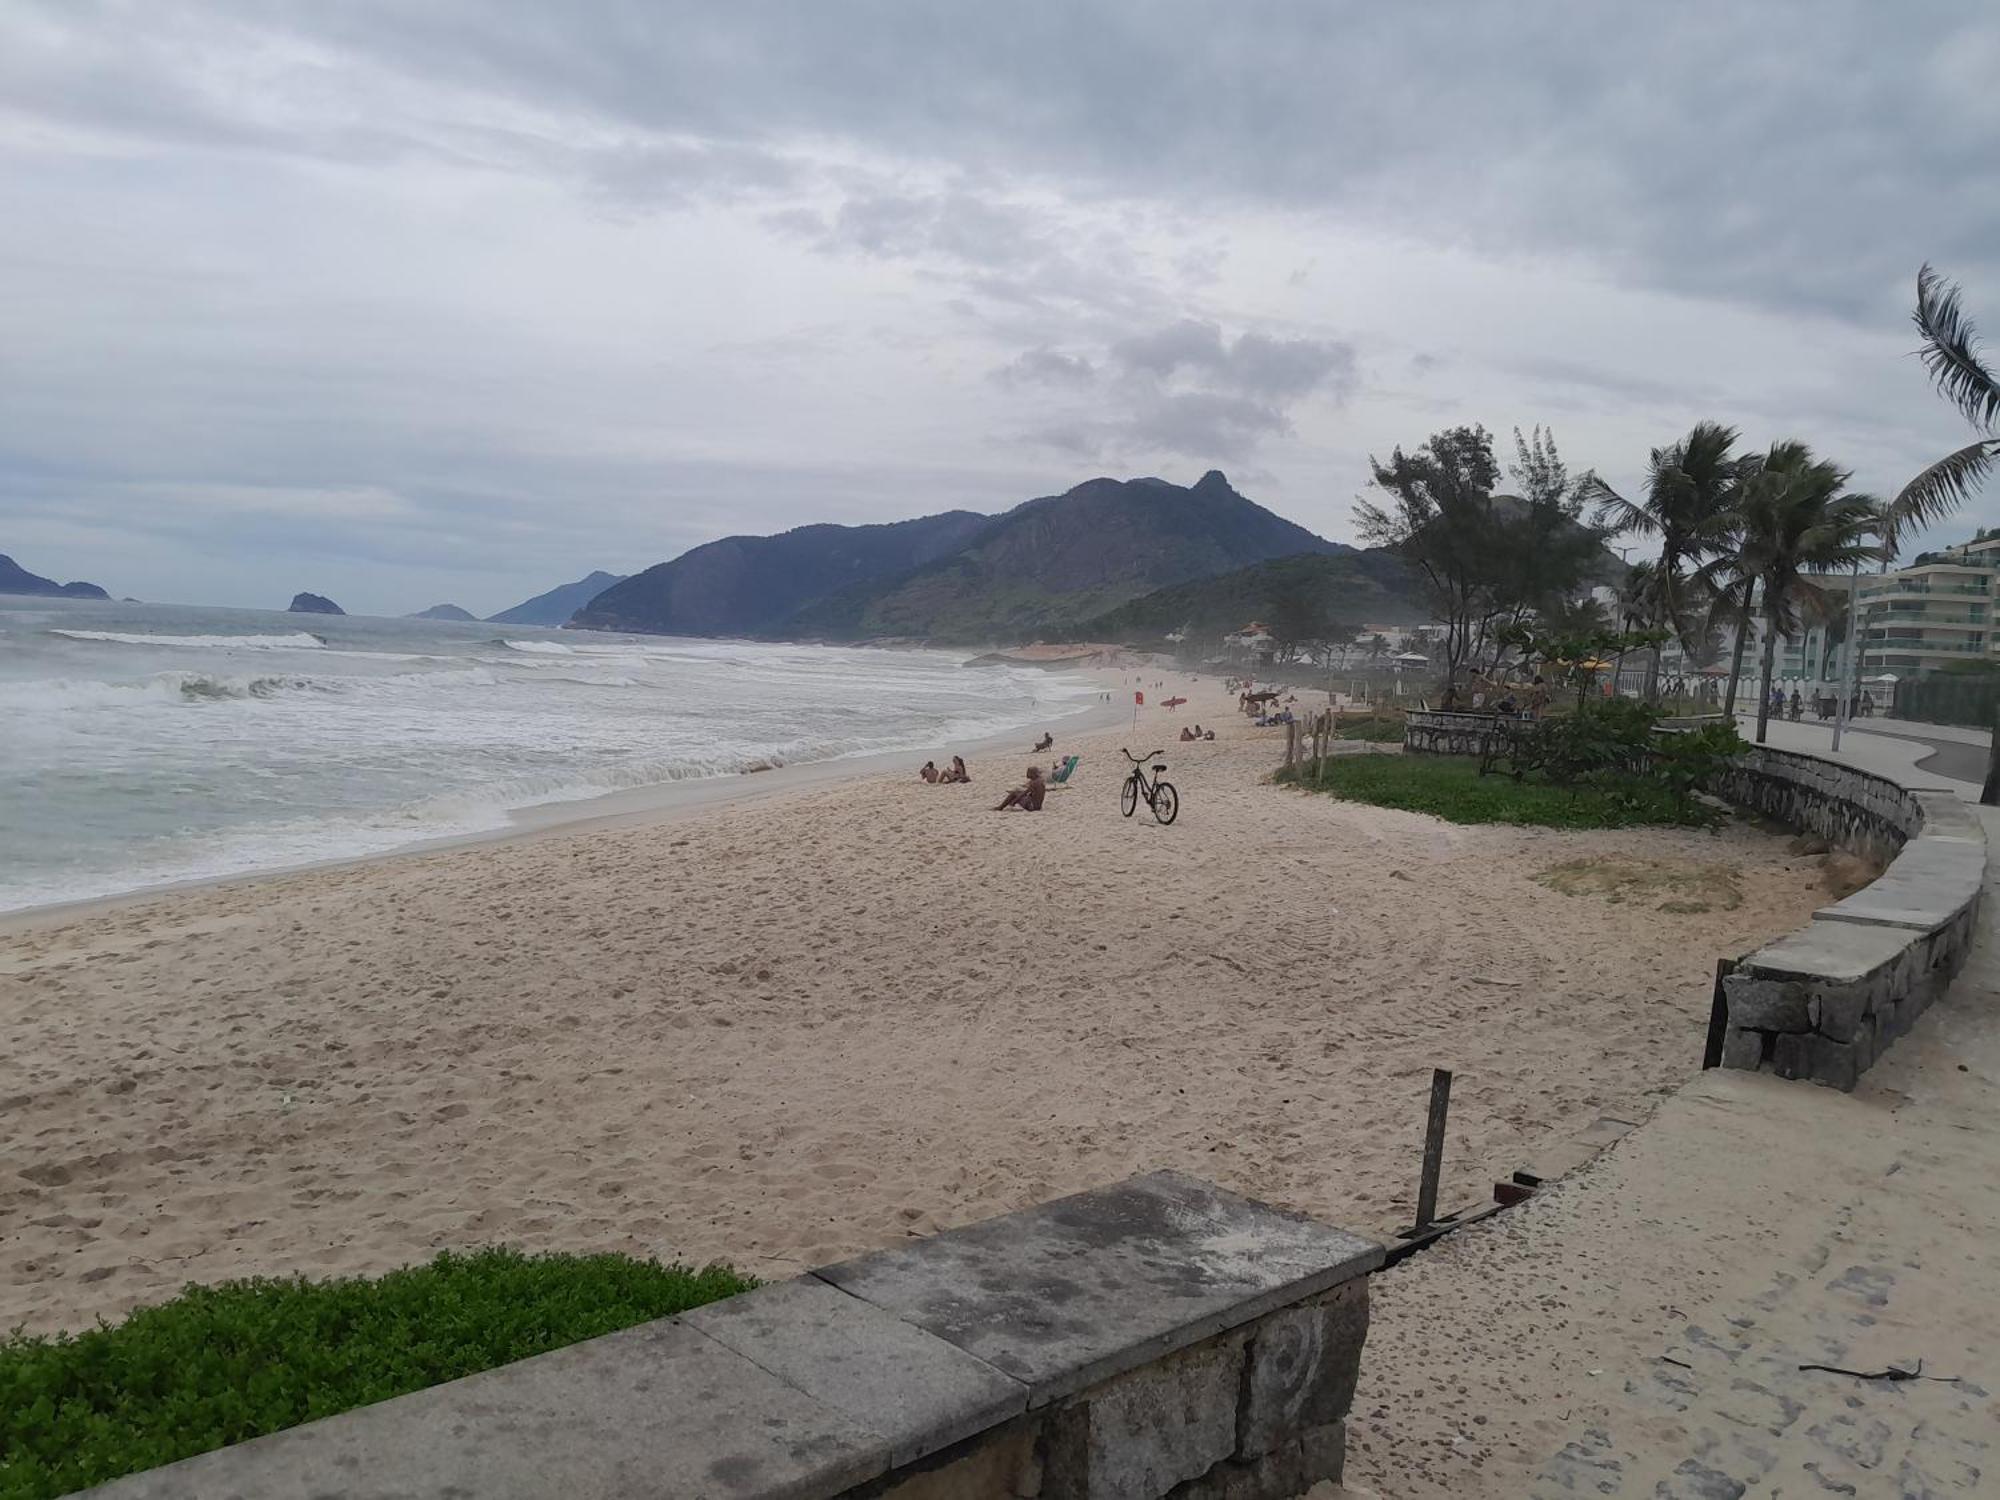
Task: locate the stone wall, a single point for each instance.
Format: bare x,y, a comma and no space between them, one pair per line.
1159,1338
1825,1002
1429,732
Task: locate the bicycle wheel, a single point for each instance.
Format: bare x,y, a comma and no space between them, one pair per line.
1166,801
1128,800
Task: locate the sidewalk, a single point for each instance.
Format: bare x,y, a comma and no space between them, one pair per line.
1950,764
1637,1328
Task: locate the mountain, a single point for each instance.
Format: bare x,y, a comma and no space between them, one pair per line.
313,604
1049,564
443,612
754,585
1359,588
558,604
15,579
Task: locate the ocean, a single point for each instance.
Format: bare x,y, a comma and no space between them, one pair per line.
142,744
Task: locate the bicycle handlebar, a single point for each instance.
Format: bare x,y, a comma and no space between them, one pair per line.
1139,760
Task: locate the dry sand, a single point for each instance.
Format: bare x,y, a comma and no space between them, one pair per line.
781,1031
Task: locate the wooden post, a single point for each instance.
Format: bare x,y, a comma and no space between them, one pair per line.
1427,1187
1718,1016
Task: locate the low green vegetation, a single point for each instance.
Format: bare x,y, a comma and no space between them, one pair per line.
1604,766
1450,787
221,1364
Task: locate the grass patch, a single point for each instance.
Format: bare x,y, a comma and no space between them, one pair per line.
221,1364
1450,787
1682,886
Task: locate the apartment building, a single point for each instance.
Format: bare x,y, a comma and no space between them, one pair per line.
1933,613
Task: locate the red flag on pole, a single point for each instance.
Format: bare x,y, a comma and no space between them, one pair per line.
1138,698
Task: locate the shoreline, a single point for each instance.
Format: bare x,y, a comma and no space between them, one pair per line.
659,802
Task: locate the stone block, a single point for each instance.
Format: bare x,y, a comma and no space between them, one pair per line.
660,1409
1003,1466
1324,1452
1303,1363
1276,1476
1139,1435
1743,1049
1067,1294
1820,951
1836,1010
1837,1064
1767,1004
917,1392
1791,1055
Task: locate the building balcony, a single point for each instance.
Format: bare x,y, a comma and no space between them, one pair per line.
1944,617
1909,589
1923,644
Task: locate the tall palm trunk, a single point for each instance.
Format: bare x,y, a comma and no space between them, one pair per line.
1736,660
1770,662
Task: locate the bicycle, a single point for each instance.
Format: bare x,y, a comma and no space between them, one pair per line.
1159,794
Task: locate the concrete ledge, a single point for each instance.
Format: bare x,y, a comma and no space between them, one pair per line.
1825,1002
1157,1338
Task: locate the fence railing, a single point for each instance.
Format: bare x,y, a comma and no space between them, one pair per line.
1949,699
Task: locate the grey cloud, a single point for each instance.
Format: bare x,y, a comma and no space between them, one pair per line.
1184,388
1796,151
1255,364
1045,366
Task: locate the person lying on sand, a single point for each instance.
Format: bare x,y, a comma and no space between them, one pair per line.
1044,742
1027,798
930,772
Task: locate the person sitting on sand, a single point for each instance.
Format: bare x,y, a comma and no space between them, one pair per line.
1208,734
1187,733
958,771
930,772
1027,798
1044,742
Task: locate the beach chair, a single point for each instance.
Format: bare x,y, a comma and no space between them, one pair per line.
1061,772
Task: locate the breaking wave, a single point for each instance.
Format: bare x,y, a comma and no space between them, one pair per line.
297,640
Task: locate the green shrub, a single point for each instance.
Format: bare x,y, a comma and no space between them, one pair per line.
1618,746
1451,787
220,1364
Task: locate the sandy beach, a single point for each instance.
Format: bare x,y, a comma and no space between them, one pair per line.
783,1030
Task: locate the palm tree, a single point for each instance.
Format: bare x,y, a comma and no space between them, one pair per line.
1951,354
1793,518
1691,490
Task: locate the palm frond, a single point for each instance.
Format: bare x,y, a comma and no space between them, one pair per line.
1951,351
1613,510
1941,489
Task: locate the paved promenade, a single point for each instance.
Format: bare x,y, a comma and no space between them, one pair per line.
1640,1328
1921,754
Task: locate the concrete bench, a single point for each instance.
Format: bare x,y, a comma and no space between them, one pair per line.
1160,1337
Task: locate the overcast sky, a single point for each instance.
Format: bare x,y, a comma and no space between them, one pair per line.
412,302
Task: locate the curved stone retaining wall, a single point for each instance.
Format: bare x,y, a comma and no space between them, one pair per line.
1826,1001
1160,1339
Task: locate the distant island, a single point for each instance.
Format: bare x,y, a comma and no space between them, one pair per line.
443,612
558,604
313,604
15,579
